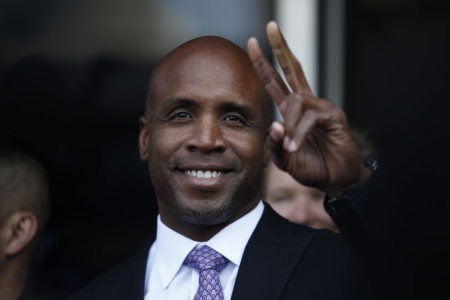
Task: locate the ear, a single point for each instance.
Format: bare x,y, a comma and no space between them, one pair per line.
143,138
267,151
22,227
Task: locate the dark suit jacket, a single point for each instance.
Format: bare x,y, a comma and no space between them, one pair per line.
403,260
282,260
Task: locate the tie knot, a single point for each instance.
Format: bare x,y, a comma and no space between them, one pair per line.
205,258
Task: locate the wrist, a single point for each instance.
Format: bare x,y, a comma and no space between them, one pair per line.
366,170
339,203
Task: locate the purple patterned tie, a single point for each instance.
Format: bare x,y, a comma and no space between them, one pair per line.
208,263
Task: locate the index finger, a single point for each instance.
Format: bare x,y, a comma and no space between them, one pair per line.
272,81
289,64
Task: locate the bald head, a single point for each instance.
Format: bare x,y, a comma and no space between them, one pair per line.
203,58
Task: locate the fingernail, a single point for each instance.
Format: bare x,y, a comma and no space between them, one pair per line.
286,142
253,40
277,126
272,24
292,146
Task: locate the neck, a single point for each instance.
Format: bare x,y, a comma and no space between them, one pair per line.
201,233
13,275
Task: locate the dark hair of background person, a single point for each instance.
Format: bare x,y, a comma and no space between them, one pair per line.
24,211
14,185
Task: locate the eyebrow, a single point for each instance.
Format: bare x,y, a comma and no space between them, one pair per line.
238,107
226,106
177,101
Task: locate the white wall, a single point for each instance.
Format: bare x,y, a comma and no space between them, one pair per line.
298,20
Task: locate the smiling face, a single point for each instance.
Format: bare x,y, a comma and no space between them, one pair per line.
203,136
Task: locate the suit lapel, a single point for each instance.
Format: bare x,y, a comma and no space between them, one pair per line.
271,255
126,281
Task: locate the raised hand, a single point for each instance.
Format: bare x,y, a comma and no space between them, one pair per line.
314,144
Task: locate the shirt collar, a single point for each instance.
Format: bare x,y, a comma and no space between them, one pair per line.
172,247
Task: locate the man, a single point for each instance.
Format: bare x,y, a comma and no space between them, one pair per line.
207,136
23,213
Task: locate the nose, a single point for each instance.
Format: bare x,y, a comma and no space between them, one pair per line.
206,136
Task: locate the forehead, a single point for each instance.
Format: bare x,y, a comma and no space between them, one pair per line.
207,75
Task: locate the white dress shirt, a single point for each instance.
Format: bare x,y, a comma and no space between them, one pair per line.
167,278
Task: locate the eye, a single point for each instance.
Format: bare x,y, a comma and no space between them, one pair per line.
181,115
282,198
281,195
234,118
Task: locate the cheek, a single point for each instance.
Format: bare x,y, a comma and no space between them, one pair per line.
163,142
160,150
249,148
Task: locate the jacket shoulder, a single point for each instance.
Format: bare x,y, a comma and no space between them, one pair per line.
123,281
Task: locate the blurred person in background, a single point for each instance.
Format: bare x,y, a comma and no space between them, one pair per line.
294,201
24,200
302,204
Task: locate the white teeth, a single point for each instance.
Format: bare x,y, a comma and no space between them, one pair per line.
203,174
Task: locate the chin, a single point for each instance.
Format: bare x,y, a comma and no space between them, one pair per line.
205,214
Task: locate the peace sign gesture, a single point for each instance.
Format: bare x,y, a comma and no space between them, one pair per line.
314,144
